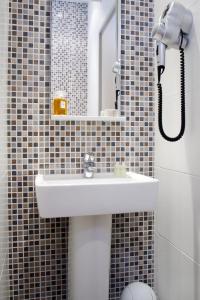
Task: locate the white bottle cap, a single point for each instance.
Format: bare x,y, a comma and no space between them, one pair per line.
60,94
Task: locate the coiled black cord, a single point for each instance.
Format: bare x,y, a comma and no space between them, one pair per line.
160,104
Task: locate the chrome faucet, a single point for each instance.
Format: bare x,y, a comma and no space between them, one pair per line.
89,165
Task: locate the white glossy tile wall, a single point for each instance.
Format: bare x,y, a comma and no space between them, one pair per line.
178,211
180,275
183,155
178,169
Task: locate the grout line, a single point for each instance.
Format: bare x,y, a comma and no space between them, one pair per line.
178,172
178,249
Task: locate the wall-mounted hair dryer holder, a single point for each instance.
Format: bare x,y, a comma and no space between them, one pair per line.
172,31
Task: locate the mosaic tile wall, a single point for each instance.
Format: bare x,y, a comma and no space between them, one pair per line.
4,19
69,53
133,234
38,247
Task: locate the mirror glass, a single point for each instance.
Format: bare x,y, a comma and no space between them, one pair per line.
85,56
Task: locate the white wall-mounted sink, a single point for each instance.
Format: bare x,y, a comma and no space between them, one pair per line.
91,203
73,195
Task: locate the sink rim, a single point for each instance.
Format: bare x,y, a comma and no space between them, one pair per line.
99,179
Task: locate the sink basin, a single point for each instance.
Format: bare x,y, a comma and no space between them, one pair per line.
73,195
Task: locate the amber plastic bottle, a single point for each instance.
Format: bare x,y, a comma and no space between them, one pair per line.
60,104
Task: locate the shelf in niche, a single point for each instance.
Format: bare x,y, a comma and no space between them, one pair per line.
88,118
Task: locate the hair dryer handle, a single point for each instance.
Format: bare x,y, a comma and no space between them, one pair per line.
160,53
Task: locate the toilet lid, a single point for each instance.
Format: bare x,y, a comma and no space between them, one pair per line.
138,291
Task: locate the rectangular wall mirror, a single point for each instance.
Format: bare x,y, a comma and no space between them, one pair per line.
85,56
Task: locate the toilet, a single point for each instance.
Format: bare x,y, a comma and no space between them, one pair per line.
138,291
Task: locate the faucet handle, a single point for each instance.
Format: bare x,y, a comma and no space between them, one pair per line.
89,157
89,165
